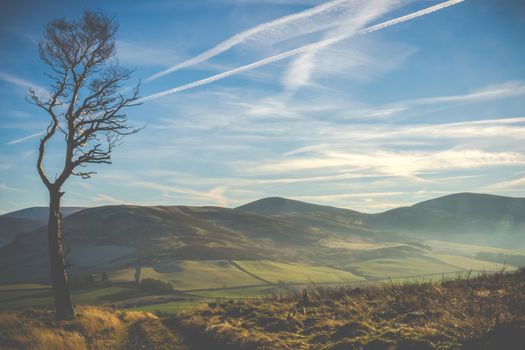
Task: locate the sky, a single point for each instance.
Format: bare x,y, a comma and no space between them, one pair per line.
367,105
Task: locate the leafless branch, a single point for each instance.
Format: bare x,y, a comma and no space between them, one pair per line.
85,101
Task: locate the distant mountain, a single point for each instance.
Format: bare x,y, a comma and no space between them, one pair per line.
114,237
283,206
467,214
110,236
9,227
321,217
40,213
25,220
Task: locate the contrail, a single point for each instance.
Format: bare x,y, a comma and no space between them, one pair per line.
25,138
310,47
243,36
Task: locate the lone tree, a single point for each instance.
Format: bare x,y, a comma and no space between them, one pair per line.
86,106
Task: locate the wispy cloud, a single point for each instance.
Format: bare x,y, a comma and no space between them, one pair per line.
5,187
518,183
102,198
302,68
493,92
139,54
215,195
311,47
307,21
25,138
22,83
404,164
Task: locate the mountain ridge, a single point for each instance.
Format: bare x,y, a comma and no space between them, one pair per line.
123,236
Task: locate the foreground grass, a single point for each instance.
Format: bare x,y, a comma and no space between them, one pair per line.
94,328
487,312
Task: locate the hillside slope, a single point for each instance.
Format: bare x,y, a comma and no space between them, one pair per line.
470,217
485,313
107,238
174,242
479,217
40,213
25,220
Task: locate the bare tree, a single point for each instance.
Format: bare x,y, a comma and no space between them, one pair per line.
85,105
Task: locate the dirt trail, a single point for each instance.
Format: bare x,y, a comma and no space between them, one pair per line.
153,335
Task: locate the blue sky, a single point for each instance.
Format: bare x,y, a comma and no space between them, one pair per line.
312,100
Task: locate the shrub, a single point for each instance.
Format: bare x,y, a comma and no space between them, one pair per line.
156,286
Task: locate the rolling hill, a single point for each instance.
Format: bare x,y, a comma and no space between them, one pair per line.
11,226
40,213
288,238
467,217
463,217
25,220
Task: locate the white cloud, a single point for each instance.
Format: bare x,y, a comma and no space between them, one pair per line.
515,184
215,195
102,198
25,138
311,47
5,187
404,164
22,83
133,53
301,68
311,20
493,92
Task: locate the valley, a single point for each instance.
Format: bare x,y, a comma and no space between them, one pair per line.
268,247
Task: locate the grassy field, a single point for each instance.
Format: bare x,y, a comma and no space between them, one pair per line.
476,314
406,267
190,275
466,249
296,273
242,292
22,286
240,279
467,263
18,296
170,308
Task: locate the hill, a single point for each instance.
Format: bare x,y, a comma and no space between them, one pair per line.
465,217
483,313
266,243
284,206
25,220
40,213
112,237
10,226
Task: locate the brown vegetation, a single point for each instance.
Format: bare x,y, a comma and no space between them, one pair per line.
487,312
94,328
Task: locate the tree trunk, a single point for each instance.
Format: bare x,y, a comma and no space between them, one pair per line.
61,292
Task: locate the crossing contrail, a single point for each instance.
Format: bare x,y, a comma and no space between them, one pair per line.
330,6
314,46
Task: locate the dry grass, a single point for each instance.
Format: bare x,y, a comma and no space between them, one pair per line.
487,312
94,328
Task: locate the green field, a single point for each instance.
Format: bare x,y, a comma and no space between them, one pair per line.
214,279
276,272
466,249
467,263
190,275
22,286
17,295
172,307
405,267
